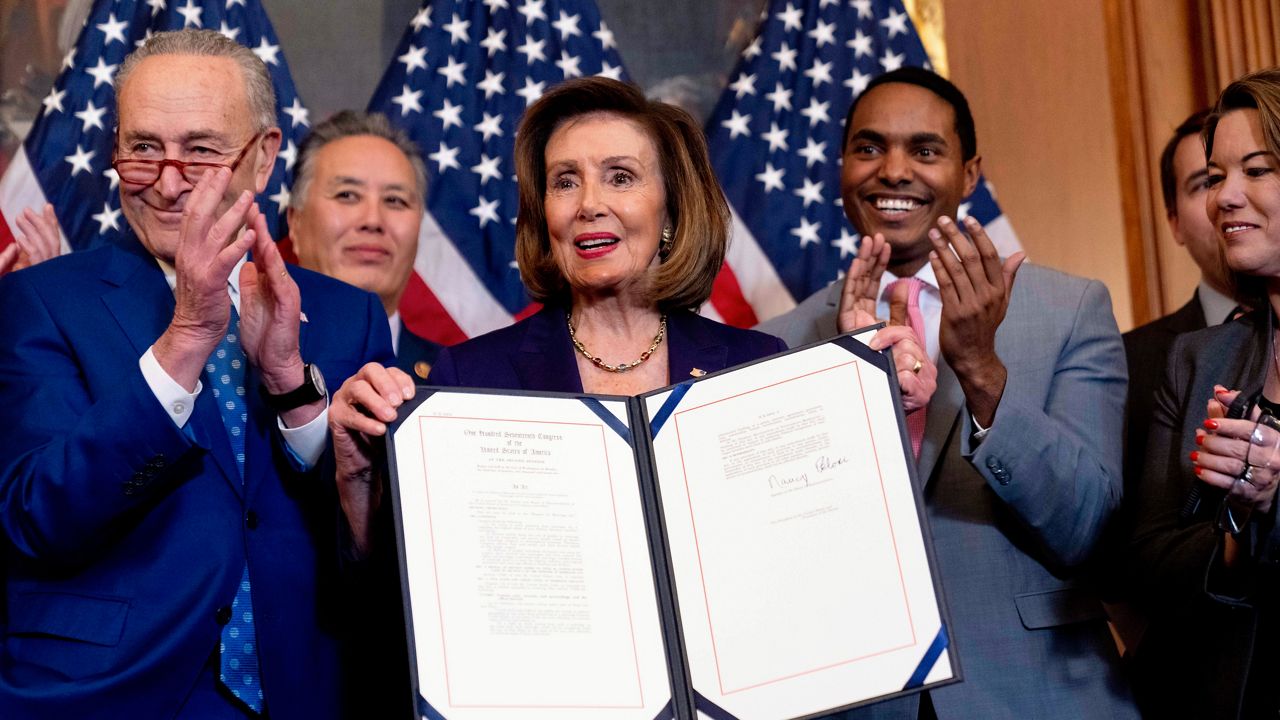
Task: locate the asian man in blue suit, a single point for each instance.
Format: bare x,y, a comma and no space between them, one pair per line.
170,548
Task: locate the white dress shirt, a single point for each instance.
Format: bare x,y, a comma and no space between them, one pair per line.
931,312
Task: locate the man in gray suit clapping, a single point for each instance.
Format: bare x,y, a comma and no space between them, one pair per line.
1020,446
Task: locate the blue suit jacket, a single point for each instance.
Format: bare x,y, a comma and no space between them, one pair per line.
536,354
124,536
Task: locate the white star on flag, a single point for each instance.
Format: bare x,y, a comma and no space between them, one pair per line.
112,30
771,177
895,23
487,168
486,211
414,58
297,113
91,116
408,101
453,72
267,52
80,160
494,42
792,18
108,219
568,64
449,114
446,157
531,91
458,29
490,126
492,83
191,14
567,25
786,58
532,10
744,85
53,101
810,193
605,36
737,124
847,244
102,73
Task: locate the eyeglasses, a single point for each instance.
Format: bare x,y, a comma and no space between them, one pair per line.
147,172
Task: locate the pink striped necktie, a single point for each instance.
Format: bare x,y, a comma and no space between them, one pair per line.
915,319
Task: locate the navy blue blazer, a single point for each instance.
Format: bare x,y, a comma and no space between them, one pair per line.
415,355
536,353
125,537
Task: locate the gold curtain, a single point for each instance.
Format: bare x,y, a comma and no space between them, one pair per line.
1237,36
926,15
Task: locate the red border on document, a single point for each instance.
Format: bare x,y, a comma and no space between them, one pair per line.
444,650
698,549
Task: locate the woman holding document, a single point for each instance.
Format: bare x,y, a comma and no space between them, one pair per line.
1205,543
622,229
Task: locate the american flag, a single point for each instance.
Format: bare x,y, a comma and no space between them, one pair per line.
66,158
460,81
775,143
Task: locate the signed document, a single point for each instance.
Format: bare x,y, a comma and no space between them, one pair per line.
745,545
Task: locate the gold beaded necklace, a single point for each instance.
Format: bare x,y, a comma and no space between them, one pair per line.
621,367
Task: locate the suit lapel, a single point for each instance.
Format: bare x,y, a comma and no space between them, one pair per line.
943,413
546,357
691,347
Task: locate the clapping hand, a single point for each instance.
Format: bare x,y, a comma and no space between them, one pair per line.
917,375
975,286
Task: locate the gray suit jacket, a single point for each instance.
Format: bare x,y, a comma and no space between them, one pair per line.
1014,516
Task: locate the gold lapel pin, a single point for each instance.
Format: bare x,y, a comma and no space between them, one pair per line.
422,369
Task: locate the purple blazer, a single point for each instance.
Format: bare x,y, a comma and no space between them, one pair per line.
536,354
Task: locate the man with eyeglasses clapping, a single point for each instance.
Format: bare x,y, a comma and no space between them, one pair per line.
170,547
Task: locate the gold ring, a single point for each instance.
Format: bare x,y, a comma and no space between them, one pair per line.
916,368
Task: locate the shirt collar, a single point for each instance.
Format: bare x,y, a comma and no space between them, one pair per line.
1214,304
924,274
233,280
395,322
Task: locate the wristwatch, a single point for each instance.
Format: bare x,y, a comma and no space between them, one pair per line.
312,389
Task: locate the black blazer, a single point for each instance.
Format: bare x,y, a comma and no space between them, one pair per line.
1209,629
1146,349
536,354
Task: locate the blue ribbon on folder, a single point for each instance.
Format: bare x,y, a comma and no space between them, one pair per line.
425,710
609,418
710,709
940,642
668,407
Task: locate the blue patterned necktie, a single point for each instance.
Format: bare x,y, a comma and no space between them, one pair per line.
238,658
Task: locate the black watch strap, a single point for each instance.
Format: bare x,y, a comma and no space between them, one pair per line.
312,389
